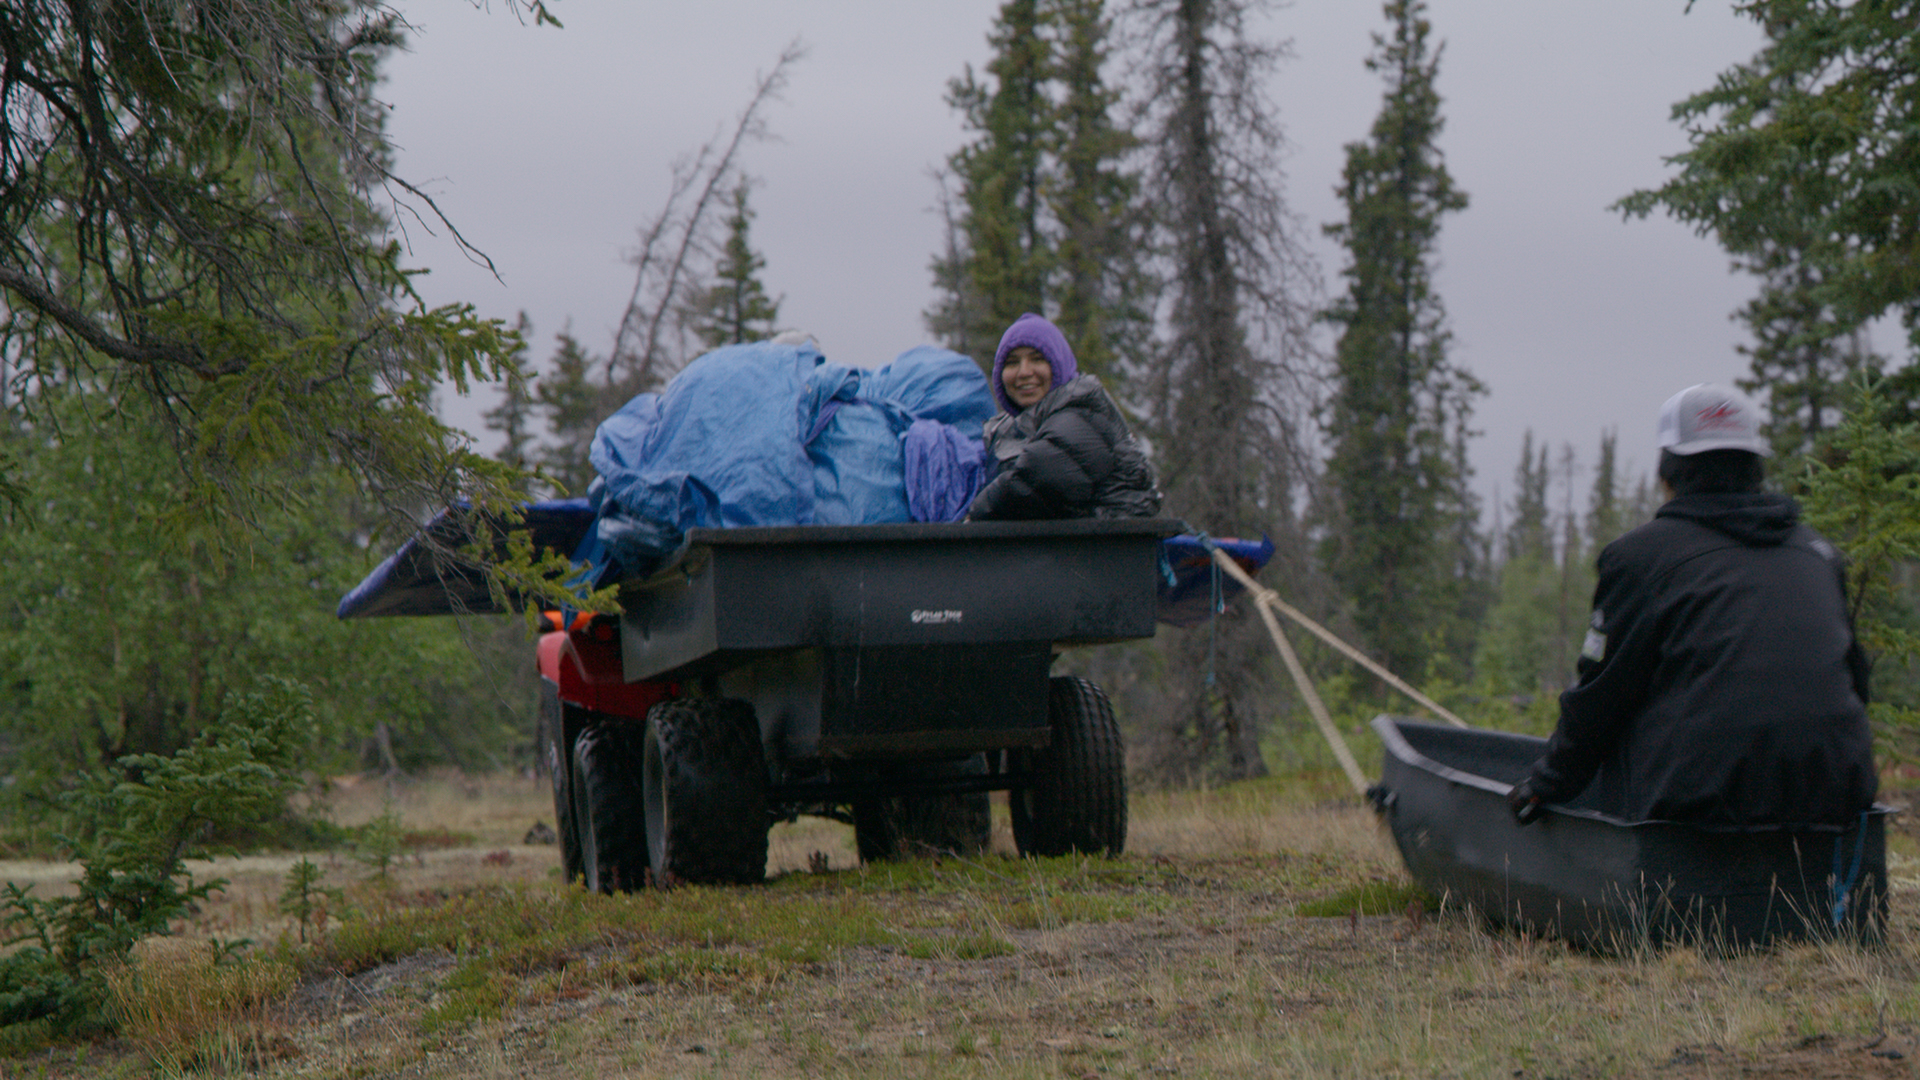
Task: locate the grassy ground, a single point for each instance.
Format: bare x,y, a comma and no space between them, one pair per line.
1188,957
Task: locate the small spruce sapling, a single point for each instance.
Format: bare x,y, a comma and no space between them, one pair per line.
305,899
378,843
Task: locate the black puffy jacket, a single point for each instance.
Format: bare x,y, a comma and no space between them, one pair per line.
1068,455
1720,682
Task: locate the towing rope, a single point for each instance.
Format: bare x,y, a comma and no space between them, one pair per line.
1267,602
1268,598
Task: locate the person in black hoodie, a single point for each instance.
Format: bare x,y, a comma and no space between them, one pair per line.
1060,448
1720,681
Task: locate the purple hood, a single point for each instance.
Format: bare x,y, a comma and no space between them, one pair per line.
1036,333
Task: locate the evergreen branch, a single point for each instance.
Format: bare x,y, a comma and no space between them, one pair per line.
38,297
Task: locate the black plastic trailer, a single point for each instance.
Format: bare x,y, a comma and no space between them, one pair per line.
891,675
886,675
1585,875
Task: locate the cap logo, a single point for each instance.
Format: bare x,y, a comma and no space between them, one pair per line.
1722,417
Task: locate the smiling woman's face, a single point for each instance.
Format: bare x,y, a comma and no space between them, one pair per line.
1026,376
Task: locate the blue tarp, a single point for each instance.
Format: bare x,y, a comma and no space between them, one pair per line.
770,434
421,579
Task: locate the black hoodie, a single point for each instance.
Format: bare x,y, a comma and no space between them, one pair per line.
1720,681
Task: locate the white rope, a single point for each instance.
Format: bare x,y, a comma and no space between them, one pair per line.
1314,705
1266,598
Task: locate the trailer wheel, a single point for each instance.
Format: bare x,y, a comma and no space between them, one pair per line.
704,780
558,756
1077,800
887,829
607,809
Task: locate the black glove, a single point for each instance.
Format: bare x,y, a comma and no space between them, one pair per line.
1524,803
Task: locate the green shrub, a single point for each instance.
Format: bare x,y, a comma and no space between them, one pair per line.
1861,489
378,844
132,832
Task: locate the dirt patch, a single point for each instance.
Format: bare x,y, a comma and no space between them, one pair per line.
1820,1056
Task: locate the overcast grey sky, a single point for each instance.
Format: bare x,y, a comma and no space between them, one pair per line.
548,147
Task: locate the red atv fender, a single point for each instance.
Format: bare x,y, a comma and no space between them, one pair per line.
583,661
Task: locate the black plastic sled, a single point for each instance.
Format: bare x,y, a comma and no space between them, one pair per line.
1607,884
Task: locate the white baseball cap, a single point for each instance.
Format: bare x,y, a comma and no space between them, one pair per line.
1710,417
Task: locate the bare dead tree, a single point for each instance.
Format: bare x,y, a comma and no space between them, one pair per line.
651,342
1232,390
957,313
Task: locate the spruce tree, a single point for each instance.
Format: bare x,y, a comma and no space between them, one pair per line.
513,416
1611,509
735,308
1804,353
1399,399
1527,642
1801,163
1527,534
1094,200
1044,213
196,208
1007,255
574,405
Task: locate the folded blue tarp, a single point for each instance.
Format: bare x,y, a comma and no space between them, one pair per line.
1192,590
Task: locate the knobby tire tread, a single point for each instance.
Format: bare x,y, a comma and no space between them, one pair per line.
715,792
609,815
1078,800
559,761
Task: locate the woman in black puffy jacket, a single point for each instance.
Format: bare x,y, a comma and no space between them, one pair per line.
1060,448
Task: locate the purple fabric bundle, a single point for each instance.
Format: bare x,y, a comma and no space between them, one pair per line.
944,470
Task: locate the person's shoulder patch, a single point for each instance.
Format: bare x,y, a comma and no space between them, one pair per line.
1594,648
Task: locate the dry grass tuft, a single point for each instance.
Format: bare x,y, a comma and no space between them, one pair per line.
191,1007
792,846
493,810
1251,819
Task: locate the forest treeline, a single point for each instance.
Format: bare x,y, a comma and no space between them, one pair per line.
218,385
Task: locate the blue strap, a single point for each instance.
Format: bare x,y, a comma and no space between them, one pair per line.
1843,886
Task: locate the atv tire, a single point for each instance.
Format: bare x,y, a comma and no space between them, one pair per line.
704,785
608,813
